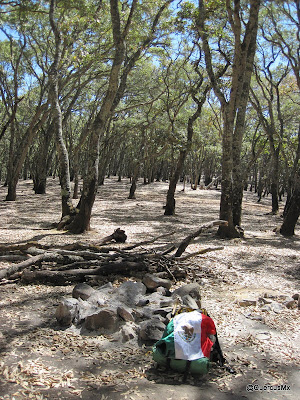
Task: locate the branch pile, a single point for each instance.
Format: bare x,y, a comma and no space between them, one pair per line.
79,262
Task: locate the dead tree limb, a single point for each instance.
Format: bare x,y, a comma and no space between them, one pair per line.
186,241
6,248
79,275
203,251
7,272
149,241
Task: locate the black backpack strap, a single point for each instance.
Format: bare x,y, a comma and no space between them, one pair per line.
187,370
168,363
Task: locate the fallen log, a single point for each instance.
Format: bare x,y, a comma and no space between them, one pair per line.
35,260
186,241
79,275
7,272
6,248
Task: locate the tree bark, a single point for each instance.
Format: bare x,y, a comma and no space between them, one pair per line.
64,173
234,109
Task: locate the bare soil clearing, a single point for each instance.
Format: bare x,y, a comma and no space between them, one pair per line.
39,360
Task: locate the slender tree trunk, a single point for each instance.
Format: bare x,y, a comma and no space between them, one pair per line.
292,210
133,181
234,109
64,173
170,202
21,152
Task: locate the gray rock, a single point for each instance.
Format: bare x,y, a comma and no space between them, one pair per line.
162,290
129,331
264,300
166,302
255,317
131,292
191,289
99,298
291,304
266,307
188,301
125,313
82,291
156,298
85,309
277,307
106,318
67,311
107,287
152,330
142,302
246,302
153,282
147,312
163,311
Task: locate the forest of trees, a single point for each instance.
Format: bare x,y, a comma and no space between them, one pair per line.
156,90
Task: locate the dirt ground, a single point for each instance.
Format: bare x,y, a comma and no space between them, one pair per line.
39,360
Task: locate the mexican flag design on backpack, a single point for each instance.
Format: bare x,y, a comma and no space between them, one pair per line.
185,343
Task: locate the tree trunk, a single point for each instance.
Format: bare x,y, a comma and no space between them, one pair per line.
21,152
64,173
292,210
234,109
226,206
133,182
170,202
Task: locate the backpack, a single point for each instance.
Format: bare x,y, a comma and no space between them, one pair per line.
185,345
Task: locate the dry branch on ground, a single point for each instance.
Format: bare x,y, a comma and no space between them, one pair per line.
79,261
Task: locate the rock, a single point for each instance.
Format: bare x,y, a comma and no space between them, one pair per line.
162,290
125,313
163,311
142,302
292,304
130,292
82,291
147,313
255,317
99,298
105,318
266,307
107,287
295,296
153,282
277,307
166,302
246,303
191,289
129,332
152,330
85,309
189,302
67,311
265,301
